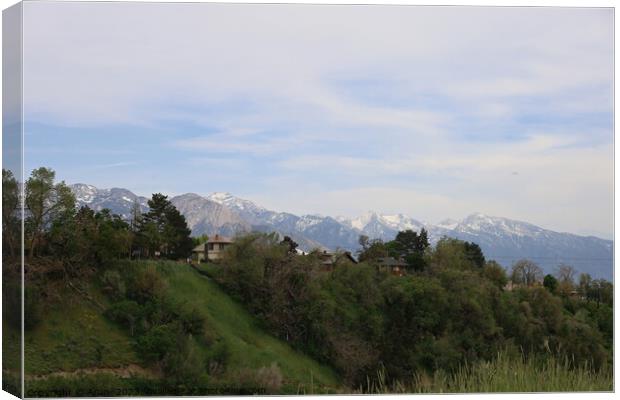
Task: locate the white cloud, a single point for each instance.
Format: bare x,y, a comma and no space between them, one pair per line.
279,82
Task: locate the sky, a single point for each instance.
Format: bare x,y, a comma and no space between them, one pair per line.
434,112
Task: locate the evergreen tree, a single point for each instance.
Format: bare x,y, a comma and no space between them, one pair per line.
411,246
550,283
164,229
290,244
474,254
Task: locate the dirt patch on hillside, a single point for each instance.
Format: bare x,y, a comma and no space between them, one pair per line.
126,371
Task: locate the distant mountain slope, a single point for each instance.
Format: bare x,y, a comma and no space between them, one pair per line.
507,240
206,216
119,201
309,230
502,239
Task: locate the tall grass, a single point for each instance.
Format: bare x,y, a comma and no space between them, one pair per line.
506,373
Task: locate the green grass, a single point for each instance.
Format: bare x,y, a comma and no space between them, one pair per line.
248,344
74,335
504,374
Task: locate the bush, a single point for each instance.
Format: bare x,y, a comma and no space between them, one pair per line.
12,306
265,380
269,378
113,285
146,284
217,358
183,364
191,318
155,343
126,313
12,303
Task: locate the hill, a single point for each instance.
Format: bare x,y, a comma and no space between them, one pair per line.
75,340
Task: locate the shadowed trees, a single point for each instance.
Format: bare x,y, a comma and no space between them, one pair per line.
164,230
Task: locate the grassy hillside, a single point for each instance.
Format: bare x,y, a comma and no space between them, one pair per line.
249,345
75,346
77,351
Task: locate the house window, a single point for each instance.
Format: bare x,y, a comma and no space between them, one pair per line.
210,246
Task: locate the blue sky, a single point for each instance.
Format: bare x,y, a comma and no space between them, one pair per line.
435,112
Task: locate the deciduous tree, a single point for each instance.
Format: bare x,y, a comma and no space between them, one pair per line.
526,272
45,201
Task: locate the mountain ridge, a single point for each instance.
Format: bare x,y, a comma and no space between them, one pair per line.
503,239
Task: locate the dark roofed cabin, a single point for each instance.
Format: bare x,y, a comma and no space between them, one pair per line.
328,259
392,265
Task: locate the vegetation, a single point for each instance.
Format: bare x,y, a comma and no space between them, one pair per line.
187,337
452,309
268,320
507,372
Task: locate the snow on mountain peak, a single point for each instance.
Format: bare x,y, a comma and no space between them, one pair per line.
307,221
401,222
363,220
220,197
499,226
393,221
84,193
448,223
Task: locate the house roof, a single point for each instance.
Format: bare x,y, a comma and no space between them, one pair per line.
219,239
330,258
199,248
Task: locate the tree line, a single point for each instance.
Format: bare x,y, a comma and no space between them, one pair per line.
64,242
452,307
55,227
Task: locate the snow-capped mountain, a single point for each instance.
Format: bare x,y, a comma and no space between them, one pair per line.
507,241
119,201
382,226
502,239
308,230
247,210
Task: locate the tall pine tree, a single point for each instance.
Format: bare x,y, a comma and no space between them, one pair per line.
163,229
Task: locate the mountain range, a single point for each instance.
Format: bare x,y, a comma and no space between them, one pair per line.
501,239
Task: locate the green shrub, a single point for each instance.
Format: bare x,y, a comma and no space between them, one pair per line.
146,284
126,313
184,364
156,342
12,305
191,318
113,285
217,358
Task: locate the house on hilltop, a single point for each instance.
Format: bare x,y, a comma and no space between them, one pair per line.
211,250
392,265
328,259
